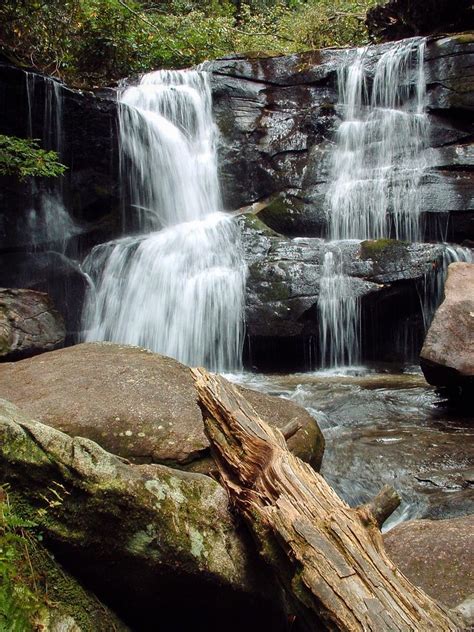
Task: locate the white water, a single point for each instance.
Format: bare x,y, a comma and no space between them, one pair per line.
376,170
178,287
377,162
339,314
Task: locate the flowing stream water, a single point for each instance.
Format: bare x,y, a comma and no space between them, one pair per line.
177,286
376,169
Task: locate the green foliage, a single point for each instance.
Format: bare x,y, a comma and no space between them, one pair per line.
322,23
93,42
22,158
19,602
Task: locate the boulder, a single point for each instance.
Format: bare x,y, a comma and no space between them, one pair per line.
146,539
447,356
436,555
136,404
29,324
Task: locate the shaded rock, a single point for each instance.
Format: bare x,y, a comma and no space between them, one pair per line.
39,106
51,272
396,19
29,324
139,536
137,404
447,357
53,600
436,555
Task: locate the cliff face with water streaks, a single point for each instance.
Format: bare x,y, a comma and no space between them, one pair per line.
277,119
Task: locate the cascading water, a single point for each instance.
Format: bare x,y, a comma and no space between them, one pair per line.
376,171
178,286
48,220
377,162
339,316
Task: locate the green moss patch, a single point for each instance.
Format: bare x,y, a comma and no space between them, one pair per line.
382,249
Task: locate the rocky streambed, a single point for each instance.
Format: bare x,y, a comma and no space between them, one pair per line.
380,427
103,446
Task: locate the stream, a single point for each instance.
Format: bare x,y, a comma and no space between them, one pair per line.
385,426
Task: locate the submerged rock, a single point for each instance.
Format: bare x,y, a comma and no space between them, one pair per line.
436,555
136,404
146,539
29,324
447,357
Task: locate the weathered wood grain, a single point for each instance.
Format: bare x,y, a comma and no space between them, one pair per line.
329,557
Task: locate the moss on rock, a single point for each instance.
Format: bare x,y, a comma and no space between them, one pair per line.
382,249
35,591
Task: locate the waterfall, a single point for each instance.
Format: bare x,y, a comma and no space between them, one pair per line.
339,315
48,220
376,169
377,162
177,286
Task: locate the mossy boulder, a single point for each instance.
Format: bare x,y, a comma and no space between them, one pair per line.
36,593
146,539
291,216
134,403
382,249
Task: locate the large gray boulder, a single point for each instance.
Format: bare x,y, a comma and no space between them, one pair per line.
447,357
136,404
29,324
159,545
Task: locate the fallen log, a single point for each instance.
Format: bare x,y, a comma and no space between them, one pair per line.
382,506
329,558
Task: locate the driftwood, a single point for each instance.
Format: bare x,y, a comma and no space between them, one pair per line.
330,558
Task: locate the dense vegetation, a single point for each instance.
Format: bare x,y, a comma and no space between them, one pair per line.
93,42
22,158
19,598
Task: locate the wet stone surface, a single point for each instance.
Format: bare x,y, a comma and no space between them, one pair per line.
386,428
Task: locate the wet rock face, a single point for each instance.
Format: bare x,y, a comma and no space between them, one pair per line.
29,324
278,116
283,285
447,357
137,404
84,128
47,224
436,555
144,538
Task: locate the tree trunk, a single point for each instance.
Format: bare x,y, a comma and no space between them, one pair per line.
330,558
